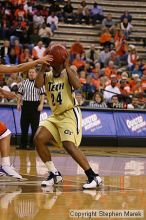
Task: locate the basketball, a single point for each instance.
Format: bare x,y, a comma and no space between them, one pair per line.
59,54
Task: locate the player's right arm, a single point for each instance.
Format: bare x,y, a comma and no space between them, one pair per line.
25,66
40,81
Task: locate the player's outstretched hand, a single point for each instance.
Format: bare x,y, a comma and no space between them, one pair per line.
45,60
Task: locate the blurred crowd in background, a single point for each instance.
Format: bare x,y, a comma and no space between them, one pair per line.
111,77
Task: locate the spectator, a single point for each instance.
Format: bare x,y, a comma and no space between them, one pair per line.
141,63
126,27
25,56
108,23
20,12
113,58
121,47
45,34
105,38
114,102
52,21
132,57
124,75
137,71
78,62
112,89
110,69
137,88
20,30
80,99
83,13
104,81
96,13
76,48
124,85
19,24
92,55
18,48
133,81
38,51
5,50
82,76
38,20
98,101
96,80
68,13
55,7
142,101
97,69
127,15
134,104
88,88
104,56
119,35
11,58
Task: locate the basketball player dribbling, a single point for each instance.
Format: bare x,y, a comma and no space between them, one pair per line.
63,128
5,133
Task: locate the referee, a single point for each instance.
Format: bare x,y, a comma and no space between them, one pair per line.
30,102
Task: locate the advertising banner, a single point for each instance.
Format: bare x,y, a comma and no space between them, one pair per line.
130,124
98,123
94,123
11,117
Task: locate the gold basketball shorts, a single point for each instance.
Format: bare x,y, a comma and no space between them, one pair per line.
65,127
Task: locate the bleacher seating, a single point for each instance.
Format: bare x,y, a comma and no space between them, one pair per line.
89,34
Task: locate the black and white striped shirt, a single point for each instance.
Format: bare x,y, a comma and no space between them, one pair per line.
29,92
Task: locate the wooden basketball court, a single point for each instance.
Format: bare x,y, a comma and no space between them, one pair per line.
124,188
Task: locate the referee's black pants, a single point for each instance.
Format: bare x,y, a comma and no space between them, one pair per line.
30,116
